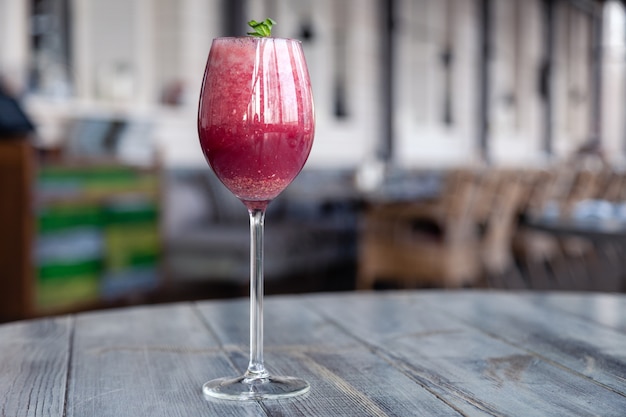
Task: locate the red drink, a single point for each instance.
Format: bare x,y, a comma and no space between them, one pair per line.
256,121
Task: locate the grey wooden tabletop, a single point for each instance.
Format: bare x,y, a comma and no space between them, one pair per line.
413,353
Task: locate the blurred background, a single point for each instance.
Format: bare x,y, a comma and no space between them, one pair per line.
443,126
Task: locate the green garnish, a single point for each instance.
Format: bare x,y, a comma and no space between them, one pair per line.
261,29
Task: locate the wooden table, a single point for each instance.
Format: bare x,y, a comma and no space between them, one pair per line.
414,353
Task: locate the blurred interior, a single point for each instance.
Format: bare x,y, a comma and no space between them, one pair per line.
441,126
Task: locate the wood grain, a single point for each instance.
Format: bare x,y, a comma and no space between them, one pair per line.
345,376
578,344
443,340
149,361
34,359
603,309
406,353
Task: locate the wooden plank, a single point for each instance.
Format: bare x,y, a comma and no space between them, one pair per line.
523,320
354,382
467,367
148,361
285,319
33,367
346,377
434,353
600,308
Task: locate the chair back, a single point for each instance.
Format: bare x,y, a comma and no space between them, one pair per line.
502,222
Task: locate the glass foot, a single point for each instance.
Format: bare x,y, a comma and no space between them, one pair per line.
242,388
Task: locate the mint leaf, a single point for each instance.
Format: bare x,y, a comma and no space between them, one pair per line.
261,29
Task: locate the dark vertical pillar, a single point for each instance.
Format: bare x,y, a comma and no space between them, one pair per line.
51,39
447,64
485,48
65,28
545,77
234,18
340,60
385,150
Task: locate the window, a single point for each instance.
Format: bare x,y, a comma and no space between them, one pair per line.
50,67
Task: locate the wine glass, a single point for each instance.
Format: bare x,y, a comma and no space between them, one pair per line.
256,126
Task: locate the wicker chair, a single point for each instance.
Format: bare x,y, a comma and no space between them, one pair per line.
505,193
432,243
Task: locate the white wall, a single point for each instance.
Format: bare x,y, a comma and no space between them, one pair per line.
571,91
515,128
422,138
162,41
614,71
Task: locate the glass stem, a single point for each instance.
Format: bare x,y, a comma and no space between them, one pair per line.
256,368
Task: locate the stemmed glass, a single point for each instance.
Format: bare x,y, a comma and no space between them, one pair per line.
256,126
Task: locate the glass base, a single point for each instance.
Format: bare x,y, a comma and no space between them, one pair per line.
242,388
